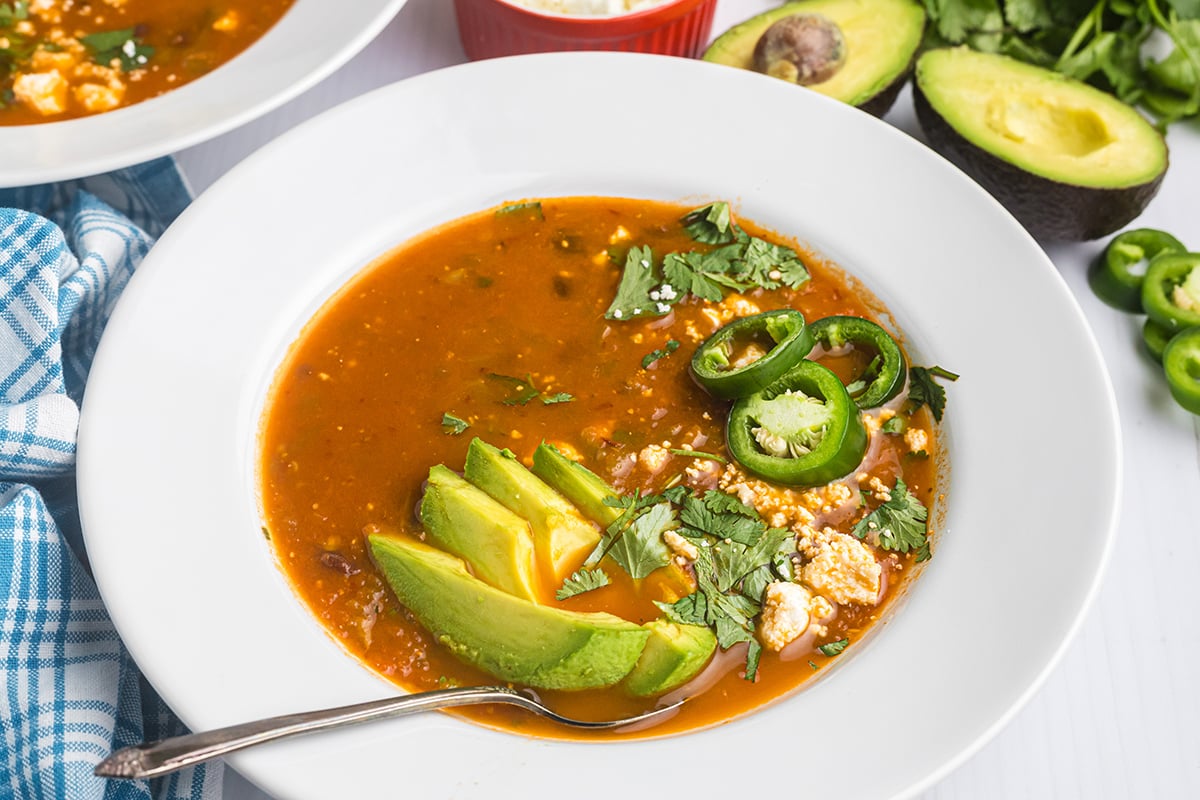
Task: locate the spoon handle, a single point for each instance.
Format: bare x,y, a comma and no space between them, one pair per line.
158,758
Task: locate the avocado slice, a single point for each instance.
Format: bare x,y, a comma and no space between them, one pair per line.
588,491
1070,161
674,655
577,483
466,521
562,538
880,37
506,636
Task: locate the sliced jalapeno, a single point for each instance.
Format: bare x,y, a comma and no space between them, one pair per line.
1156,337
1171,291
802,430
1181,362
1112,275
750,353
883,377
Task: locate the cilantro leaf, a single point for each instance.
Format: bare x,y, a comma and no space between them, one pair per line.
712,224
521,390
640,548
532,209
560,397
670,347
924,390
639,278
123,46
899,522
834,648
13,12
452,425
582,581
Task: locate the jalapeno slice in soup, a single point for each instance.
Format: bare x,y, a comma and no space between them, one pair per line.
1171,291
1181,362
1113,277
802,430
883,377
750,353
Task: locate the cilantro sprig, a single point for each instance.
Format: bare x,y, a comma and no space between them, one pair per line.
1098,41
124,46
923,390
522,391
735,261
899,523
583,580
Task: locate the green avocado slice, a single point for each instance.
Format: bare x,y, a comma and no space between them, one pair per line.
562,538
1070,161
506,636
466,521
577,483
881,41
674,655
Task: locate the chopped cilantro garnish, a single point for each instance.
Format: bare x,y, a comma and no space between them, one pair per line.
899,522
453,425
699,454
741,262
670,347
584,580
893,425
123,45
533,209
924,390
640,548
522,390
833,648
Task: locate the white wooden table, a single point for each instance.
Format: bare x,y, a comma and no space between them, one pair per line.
1120,715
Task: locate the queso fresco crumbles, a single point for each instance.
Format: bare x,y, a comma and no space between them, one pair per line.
61,59
612,451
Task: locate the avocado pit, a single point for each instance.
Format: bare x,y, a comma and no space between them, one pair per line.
802,49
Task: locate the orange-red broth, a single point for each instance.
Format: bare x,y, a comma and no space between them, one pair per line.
354,422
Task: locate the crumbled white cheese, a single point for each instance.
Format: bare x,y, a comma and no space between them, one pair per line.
843,569
43,92
785,614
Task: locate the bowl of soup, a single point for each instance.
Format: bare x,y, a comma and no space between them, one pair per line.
615,423
86,87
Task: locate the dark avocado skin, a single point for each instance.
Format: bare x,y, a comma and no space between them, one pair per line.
1049,210
882,103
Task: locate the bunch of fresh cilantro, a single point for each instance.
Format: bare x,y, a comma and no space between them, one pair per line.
1146,52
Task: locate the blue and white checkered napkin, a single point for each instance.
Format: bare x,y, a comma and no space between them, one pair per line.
69,692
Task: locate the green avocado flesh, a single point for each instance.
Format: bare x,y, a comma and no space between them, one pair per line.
674,655
506,636
1069,161
562,538
881,36
577,483
466,521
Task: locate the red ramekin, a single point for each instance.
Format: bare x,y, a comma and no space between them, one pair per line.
493,28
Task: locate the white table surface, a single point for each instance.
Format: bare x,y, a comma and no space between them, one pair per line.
1120,715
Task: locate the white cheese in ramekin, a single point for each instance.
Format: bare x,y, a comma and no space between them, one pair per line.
587,7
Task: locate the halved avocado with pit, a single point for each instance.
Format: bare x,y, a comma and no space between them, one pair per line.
1069,161
881,38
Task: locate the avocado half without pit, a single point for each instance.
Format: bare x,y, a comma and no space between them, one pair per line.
857,51
1069,161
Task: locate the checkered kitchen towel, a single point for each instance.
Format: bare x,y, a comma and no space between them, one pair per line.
69,692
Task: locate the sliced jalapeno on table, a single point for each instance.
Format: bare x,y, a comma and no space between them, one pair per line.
1181,362
802,430
1171,290
883,377
1156,337
750,353
1112,276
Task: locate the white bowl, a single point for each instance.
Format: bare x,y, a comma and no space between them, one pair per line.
168,434
313,38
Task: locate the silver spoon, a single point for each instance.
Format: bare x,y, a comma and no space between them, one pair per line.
152,759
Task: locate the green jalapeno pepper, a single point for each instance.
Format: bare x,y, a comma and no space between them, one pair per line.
1181,362
750,353
1156,337
884,376
1112,277
1171,290
802,430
